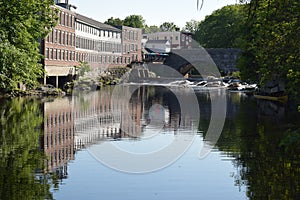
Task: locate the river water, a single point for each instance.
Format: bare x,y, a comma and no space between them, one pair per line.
148,142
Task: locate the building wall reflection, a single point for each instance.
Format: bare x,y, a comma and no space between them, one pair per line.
72,124
58,135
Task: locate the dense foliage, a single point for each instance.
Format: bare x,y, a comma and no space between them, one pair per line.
168,26
151,29
23,24
114,22
135,21
272,45
192,26
222,29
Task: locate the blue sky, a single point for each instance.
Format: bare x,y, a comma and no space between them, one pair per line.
155,12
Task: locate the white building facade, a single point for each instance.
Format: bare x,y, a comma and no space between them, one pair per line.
159,46
97,44
178,39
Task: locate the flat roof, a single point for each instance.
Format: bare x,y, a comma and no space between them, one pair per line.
157,41
95,23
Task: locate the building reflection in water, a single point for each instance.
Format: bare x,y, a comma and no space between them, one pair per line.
72,124
58,135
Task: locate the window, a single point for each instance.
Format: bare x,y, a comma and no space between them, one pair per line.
59,37
67,55
67,20
58,55
51,54
71,21
74,39
47,53
77,42
54,54
63,38
70,39
67,38
54,36
62,18
51,36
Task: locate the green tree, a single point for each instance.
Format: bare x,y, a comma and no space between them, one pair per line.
272,44
22,25
114,21
168,26
151,29
223,28
135,21
192,26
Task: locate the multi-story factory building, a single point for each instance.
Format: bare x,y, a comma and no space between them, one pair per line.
97,44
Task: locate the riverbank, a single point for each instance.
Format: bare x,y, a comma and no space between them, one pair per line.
93,80
88,81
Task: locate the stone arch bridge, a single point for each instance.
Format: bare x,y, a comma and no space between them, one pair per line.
184,60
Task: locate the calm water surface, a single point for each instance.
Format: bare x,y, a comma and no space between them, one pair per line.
53,148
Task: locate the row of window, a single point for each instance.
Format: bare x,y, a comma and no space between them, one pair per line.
101,59
183,38
130,35
161,38
59,54
61,37
66,19
95,31
96,45
186,38
127,48
66,55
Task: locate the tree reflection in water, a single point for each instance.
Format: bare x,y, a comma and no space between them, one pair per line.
21,161
268,169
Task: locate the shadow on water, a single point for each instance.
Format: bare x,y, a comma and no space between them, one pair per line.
253,135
